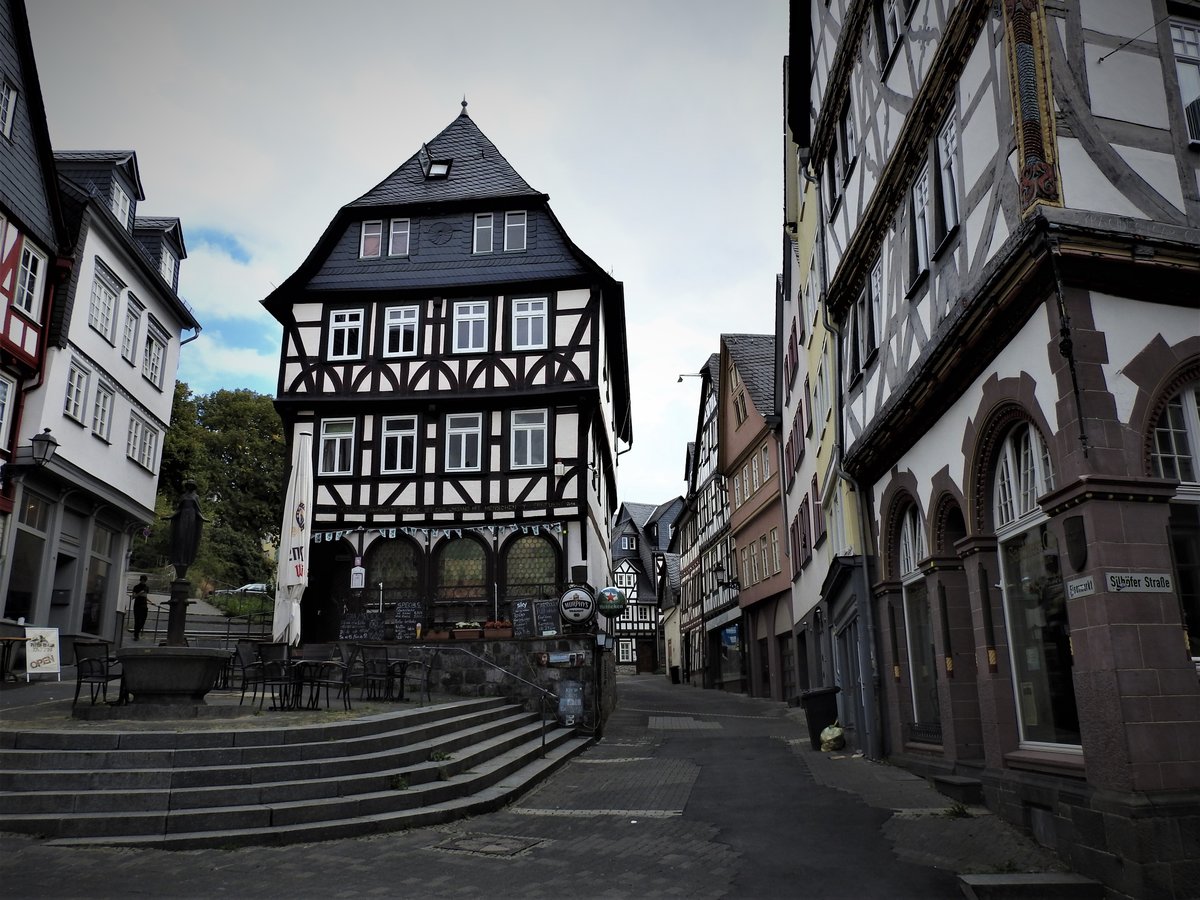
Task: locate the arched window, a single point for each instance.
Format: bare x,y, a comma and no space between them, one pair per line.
1175,453
462,571
1039,633
397,565
918,625
530,568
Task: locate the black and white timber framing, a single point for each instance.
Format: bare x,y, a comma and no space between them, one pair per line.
462,367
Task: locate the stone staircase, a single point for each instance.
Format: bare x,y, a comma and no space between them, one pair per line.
264,785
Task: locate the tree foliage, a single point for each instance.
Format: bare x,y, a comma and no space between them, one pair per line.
231,444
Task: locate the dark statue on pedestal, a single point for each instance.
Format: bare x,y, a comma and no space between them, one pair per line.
186,526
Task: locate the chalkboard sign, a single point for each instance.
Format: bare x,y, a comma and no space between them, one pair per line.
570,702
361,627
522,619
546,616
409,614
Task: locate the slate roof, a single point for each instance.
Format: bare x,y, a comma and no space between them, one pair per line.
754,356
477,171
126,160
168,226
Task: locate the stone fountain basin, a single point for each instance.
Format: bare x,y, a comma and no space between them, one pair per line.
170,675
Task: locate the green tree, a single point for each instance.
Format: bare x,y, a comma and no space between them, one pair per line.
231,444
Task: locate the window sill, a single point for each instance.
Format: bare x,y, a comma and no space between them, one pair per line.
946,242
917,284
102,439
849,171
872,355
1054,762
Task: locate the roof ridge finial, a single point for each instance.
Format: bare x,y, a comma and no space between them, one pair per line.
464,105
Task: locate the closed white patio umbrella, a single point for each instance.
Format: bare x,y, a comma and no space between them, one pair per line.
291,576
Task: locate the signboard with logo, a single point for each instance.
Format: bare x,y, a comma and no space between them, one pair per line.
611,601
42,653
577,605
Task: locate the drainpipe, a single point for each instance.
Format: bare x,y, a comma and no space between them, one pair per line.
874,748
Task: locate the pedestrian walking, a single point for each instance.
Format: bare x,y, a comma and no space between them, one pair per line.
141,607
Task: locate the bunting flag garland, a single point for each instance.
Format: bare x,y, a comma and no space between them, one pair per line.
433,534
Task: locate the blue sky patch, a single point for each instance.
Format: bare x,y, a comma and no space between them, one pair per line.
219,240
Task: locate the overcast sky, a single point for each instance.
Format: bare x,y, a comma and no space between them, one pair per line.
654,125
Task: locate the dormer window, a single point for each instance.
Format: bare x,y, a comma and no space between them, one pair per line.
483,233
434,168
371,243
514,230
118,202
168,265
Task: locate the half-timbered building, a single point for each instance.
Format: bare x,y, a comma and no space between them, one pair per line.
1010,253
461,365
641,535
712,640
748,457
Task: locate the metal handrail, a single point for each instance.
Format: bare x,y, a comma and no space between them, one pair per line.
545,693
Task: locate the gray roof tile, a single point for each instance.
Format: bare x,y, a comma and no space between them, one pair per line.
754,356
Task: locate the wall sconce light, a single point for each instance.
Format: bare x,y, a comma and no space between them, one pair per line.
40,451
719,570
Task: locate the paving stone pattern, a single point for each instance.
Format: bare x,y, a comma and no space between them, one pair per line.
689,793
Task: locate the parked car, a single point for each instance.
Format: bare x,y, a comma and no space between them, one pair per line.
256,588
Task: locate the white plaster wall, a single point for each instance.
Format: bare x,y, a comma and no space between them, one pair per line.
1128,326
1085,187
941,446
1127,86
1158,169
1125,18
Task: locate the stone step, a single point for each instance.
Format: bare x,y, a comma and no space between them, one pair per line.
508,777
249,779
1020,886
292,747
968,791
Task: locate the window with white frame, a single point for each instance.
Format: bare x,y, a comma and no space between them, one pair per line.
464,440
345,333
28,297
628,542
1035,607
625,651
889,24
129,333
528,438
141,444
8,108
399,438
370,241
337,447
529,324
76,397
8,388
153,355
754,472
514,230
775,567
763,556
118,202
1175,453
400,330
876,333
1185,42
918,625
947,159
482,242
102,411
398,237
765,455
470,326
168,265
919,226
106,289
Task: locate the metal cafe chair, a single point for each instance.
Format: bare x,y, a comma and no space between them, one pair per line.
96,669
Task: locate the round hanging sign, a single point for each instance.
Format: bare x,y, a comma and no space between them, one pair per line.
611,601
577,605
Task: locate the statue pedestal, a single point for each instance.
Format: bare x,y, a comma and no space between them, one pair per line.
177,617
178,676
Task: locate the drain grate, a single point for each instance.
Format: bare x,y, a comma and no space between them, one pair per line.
492,845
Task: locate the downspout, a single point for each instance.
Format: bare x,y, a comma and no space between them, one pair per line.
874,748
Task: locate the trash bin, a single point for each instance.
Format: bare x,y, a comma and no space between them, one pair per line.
820,709
674,674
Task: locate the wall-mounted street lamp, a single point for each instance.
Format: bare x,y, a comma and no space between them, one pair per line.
39,452
719,570
679,380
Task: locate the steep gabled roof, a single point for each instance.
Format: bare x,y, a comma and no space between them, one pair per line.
476,171
754,356
168,227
